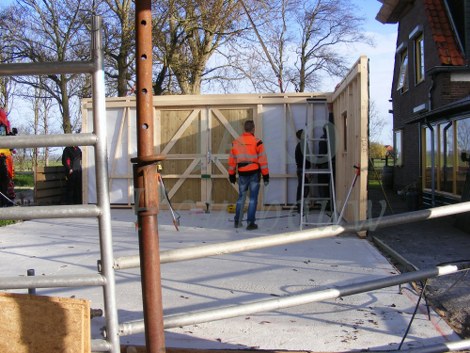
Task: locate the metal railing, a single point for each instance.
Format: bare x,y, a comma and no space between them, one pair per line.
102,211
197,252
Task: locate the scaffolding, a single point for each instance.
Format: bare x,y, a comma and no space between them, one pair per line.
106,275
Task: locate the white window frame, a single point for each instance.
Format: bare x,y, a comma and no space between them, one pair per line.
419,58
398,147
403,82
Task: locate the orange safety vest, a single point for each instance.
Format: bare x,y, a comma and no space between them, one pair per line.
9,161
247,155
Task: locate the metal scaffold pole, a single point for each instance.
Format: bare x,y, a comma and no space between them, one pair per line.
146,184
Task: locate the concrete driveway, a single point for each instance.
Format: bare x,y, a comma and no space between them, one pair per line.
374,320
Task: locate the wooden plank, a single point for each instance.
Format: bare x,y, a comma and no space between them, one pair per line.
49,173
351,105
50,184
49,201
49,169
41,194
168,101
39,324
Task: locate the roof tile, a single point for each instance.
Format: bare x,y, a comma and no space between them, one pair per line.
442,34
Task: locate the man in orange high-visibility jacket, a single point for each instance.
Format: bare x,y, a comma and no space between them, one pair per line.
7,172
249,158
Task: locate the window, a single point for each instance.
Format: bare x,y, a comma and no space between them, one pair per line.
345,131
451,155
419,58
398,147
429,153
403,74
463,152
446,157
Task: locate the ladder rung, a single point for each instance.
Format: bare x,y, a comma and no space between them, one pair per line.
317,171
316,155
318,223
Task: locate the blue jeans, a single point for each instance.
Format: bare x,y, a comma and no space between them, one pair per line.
245,183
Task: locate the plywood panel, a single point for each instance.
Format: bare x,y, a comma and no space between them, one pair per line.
49,185
195,134
350,107
41,324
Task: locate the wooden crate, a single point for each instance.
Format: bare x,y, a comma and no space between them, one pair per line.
49,185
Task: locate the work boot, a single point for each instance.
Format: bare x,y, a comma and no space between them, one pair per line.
251,226
297,208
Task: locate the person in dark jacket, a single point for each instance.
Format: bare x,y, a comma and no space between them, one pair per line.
72,162
299,161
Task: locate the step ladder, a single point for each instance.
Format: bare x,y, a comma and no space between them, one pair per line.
318,205
105,277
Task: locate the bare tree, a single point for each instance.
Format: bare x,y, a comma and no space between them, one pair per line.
41,110
376,123
119,44
6,83
302,40
50,31
187,34
463,135
326,25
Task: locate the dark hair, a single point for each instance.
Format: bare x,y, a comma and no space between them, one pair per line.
299,133
249,126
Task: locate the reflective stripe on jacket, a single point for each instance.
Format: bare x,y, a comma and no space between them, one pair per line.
247,155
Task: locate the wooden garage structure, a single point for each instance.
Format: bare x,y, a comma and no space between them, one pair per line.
195,135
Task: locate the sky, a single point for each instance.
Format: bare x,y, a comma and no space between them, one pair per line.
381,62
381,57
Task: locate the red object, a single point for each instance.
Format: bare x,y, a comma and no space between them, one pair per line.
6,152
4,120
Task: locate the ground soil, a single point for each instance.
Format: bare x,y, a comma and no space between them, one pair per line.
424,245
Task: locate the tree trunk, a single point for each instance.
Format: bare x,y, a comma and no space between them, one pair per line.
66,121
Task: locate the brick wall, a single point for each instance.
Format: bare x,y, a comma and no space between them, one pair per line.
405,104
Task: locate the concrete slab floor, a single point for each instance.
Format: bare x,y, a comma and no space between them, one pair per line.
374,320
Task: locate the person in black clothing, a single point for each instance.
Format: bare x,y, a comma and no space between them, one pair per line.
72,162
299,161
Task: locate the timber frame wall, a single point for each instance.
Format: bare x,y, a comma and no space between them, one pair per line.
195,135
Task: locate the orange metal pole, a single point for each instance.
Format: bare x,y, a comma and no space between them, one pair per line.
146,184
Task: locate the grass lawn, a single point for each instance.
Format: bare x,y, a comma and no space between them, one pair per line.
24,179
6,222
21,179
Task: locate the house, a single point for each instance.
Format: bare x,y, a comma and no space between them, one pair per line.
431,96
